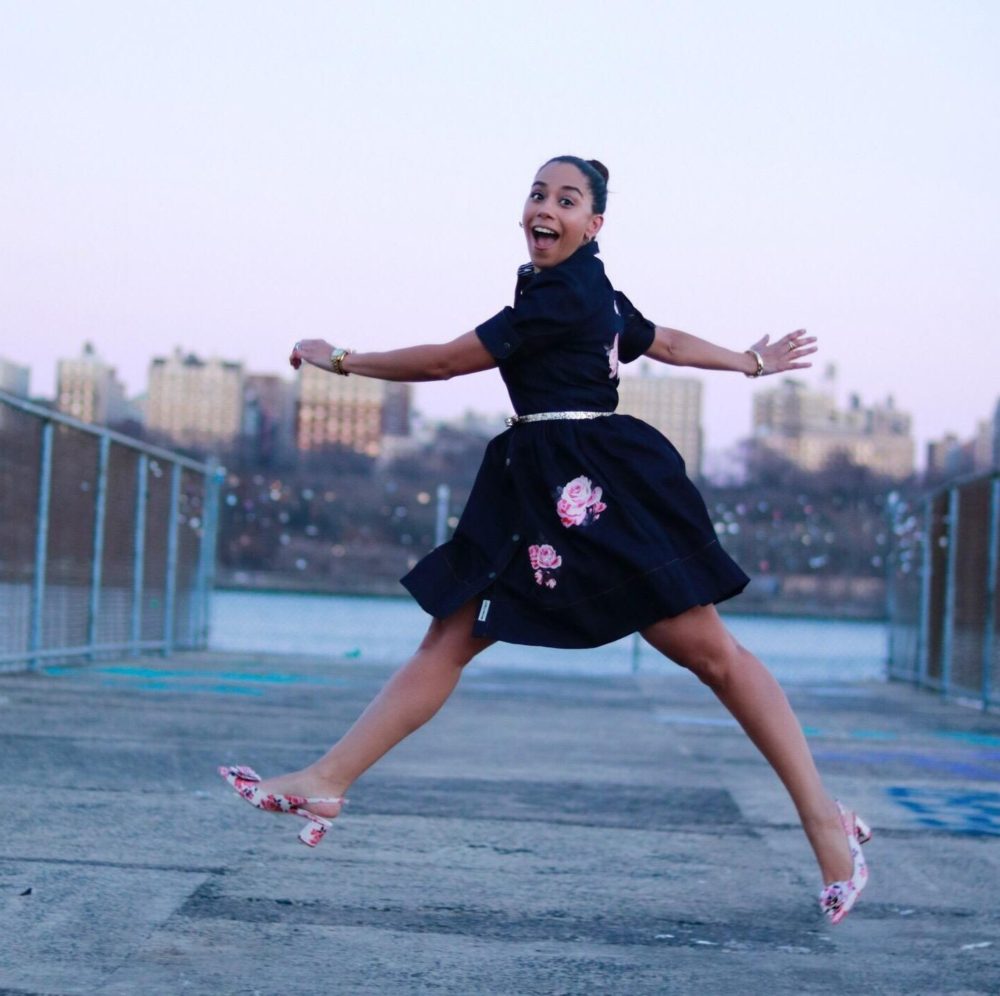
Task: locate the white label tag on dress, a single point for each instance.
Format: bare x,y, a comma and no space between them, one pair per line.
484,610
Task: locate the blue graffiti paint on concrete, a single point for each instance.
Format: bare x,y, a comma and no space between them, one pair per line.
954,810
685,719
955,736
965,766
187,688
158,674
976,739
214,682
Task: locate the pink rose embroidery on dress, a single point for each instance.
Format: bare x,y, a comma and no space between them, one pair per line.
613,359
579,503
544,562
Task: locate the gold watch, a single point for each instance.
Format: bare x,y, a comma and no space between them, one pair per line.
337,361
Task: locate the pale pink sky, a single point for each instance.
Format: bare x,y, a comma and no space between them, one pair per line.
228,177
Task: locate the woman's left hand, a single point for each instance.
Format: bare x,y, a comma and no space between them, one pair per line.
314,351
786,353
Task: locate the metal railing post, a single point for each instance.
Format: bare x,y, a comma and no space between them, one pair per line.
41,543
926,575
139,550
948,636
97,564
170,593
441,519
891,510
989,625
206,552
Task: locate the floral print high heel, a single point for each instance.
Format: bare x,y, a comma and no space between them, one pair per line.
837,898
245,781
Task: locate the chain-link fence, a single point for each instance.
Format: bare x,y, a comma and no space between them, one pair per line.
107,545
944,608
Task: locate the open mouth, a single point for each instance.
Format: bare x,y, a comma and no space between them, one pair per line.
543,237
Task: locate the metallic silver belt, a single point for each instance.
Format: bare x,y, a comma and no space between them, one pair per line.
551,416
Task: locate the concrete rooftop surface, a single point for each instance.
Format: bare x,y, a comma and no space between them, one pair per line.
543,835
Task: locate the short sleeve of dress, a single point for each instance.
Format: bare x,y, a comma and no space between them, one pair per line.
639,331
546,304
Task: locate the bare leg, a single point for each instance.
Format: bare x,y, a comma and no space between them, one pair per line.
699,641
410,698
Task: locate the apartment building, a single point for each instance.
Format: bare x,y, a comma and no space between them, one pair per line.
670,404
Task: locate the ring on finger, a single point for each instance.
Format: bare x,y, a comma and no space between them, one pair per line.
298,345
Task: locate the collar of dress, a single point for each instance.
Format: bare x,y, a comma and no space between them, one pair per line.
587,251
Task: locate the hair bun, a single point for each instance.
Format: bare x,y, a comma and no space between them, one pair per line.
600,167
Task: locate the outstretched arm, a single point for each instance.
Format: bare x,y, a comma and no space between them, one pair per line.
681,349
437,361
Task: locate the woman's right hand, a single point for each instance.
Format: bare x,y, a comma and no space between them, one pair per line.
314,351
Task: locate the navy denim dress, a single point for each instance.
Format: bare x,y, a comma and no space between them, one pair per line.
576,533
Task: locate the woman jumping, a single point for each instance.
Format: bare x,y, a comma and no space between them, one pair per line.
582,526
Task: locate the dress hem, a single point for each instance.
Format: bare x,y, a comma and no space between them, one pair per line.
706,577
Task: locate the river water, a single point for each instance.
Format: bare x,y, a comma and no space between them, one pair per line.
386,630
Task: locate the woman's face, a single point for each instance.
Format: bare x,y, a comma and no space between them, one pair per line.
558,215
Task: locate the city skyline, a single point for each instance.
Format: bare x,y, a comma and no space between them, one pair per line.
231,178
868,430
814,378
